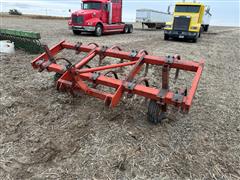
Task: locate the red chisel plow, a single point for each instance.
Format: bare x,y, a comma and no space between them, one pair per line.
77,77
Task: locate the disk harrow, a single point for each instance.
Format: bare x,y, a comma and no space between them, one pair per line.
77,77
28,41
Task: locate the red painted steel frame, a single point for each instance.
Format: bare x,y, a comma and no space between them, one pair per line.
74,78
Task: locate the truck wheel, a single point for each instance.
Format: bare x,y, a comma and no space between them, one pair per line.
76,32
98,30
194,40
201,31
166,37
130,29
126,29
206,28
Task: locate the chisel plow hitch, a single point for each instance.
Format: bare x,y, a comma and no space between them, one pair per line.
77,77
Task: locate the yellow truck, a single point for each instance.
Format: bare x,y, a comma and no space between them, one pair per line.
190,19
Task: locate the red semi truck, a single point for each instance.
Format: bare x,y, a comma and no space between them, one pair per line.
99,17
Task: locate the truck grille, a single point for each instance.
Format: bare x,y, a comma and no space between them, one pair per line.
77,19
181,23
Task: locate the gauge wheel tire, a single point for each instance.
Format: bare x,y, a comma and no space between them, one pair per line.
155,114
166,37
57,76
76,32
99,30
126,29
130,30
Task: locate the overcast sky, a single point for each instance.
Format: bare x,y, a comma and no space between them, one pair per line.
225,12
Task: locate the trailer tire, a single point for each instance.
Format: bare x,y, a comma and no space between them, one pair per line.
166,37
76,32
155,114
130,29
99,30
126,29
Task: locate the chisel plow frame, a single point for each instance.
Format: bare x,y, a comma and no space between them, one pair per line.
78,76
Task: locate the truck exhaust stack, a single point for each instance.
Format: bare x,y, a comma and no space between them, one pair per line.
110,12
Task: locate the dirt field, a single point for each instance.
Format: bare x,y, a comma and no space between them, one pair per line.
45,134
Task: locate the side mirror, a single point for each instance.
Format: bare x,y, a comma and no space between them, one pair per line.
208,9
81,5
105,7
168,10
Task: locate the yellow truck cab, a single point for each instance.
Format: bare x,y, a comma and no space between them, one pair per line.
187,21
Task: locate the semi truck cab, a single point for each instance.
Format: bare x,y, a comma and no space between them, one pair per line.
187,22
99,16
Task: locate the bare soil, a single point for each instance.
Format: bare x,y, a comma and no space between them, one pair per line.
45,134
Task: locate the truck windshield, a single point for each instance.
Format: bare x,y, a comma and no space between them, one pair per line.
92,5
188,9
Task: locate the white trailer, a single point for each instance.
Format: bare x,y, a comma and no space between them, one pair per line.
153,18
